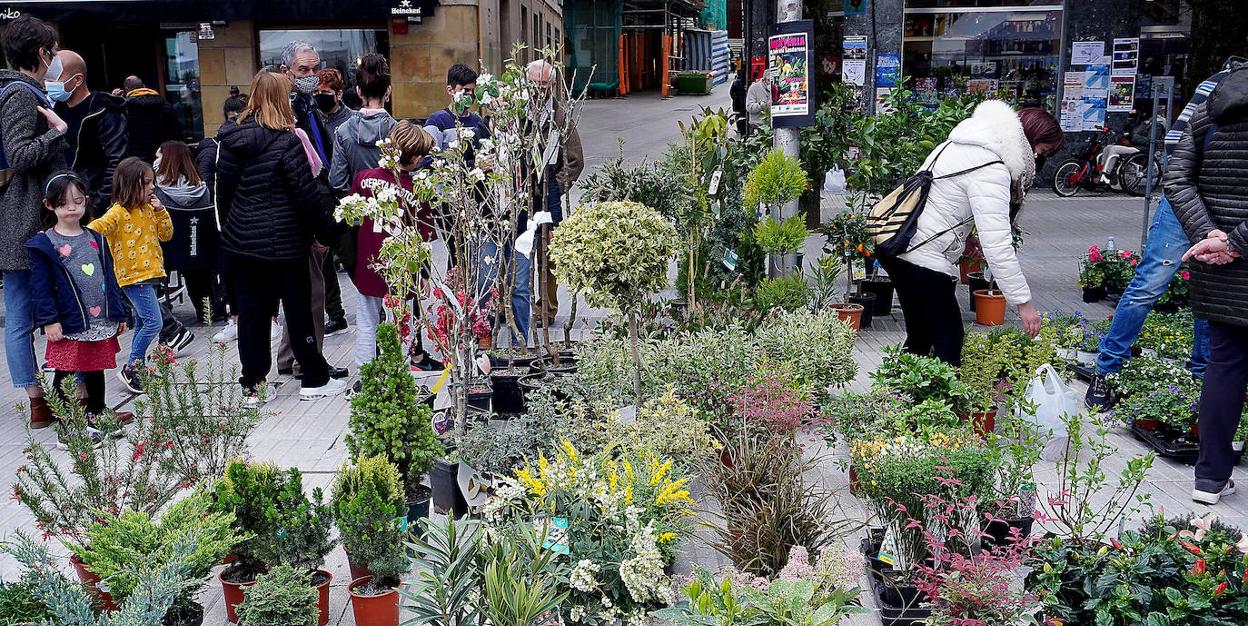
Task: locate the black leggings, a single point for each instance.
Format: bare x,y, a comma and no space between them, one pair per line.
93,381
1221,403
930,304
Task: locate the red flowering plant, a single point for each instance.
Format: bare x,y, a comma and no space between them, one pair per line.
968,581
771,401
101,481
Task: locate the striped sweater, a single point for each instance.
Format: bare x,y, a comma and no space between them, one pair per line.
1180,124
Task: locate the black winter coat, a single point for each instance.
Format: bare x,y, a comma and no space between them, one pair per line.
1207,183
150,122
269,204
101,146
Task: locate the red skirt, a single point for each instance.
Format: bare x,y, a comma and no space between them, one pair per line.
68,355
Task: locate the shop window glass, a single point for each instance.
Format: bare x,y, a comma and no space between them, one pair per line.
1012,55
339,48
965,4
182,84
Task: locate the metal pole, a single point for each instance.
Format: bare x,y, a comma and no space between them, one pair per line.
1148,170
786,140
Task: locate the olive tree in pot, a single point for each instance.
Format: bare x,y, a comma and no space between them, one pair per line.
615,254
368,508
388,419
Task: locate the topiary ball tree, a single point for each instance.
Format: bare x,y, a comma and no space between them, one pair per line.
388,418
615,254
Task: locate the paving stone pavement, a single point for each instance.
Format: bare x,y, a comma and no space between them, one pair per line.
309,435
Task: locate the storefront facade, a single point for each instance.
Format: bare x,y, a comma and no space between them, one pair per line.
195,51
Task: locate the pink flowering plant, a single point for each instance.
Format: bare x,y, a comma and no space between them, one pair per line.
1179,290
771,401
1112,269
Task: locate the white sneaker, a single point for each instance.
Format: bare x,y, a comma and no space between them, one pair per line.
334,387
1211,498
275,333
253,402
227,334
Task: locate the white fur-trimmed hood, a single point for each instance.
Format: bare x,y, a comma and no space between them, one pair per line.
995,126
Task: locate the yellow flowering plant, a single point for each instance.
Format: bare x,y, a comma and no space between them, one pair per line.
617,516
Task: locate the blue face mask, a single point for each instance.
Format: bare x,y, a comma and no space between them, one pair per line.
56,91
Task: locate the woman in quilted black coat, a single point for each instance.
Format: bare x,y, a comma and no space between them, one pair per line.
1207,183
270,206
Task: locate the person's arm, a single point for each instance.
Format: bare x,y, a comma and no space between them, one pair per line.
988,193
315,206
226,173
164,223
42,289
25,146
1182,174
339,175
108,223
754,102
573,160
112,131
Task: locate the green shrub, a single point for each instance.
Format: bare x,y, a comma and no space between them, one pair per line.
787,293
388,418
282,597
249,492
286,527
782,236
118,549
818,345
20,603
922,377
777,179
367,500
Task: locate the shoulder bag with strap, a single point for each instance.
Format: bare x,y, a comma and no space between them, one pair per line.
6,173
893,220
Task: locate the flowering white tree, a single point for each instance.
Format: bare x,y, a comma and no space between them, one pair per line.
479,188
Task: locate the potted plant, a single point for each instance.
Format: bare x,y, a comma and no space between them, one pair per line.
367,499
989,307
846,239
818,347
1176,295
1067,333
119,549
280,596
1092,275
302,538
1089,345
972,259
615,254
825,295
389,419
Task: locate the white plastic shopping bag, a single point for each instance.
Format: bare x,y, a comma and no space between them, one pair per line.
1053,399
834,180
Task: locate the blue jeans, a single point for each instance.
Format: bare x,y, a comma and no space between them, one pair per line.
147,319
1163,254
19,329
521,302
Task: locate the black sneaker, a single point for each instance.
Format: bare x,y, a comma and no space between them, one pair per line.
129,377
427,364
355,388
181,340
335,327
62,442
1100,396
338,372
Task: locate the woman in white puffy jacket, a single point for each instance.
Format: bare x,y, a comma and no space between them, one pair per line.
1004,147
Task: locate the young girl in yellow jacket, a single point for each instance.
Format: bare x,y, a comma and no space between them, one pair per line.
134,227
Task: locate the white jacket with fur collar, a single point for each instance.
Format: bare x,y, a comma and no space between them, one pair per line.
992,133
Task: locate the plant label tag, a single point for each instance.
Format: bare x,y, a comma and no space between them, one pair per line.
730,259
441,382
714,186
628,414
860,269
376,227
554,533
483,364
401,522
888,548
762,210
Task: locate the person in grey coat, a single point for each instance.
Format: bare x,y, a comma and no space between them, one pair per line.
355,142
758,100
1207,184
34,147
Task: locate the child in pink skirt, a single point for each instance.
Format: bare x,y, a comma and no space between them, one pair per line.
76,299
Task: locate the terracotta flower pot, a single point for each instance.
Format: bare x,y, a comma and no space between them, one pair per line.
850,313
964,271
322,601
989,307
233,595
358,570
92,583
380,610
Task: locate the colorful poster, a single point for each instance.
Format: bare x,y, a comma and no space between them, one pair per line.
854,60
1093,110
1070,117
926,90
1086,52
1096,82
887,70
1121,94
789,57
1126,57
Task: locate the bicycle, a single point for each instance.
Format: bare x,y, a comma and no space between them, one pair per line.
1129,174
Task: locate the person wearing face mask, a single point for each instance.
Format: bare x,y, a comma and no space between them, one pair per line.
33,138
328,98
149,120
96,139
300,63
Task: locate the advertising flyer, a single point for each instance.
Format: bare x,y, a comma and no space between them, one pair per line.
887,70
1122,94
1086,52
854,60
789,55
1123,74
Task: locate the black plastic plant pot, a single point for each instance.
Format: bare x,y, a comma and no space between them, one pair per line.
567,363
508,397
867,300
1093,294
447,498
418,508
188,614
533,382
1001,530
899,614
478,398
976,283
882,287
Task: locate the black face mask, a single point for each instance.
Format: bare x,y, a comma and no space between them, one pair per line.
325,101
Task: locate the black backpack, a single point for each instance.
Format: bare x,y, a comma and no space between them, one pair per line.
893,220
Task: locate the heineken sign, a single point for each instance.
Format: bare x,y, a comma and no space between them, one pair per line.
415,11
